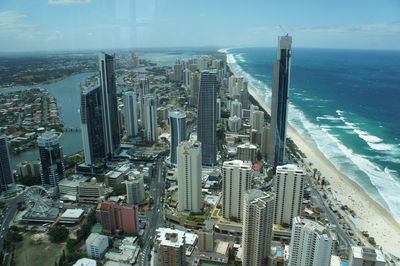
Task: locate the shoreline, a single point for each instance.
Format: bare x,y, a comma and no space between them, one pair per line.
371,215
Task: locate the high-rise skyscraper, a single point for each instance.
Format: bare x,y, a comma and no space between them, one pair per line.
279,102
288,185
92,125
257,227
177,121
51,158
218,111
109,104
206,117
310,244
178,71
257,122
187,74
236,180
236,108
150,117
6,176
194,87
244,96
130,113
135,188
189,176
144,89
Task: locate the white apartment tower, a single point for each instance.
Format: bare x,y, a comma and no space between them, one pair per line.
310,244
257,121
247,152
135,188
236,109
189,176
150,117
130,113
288,184
236,179
257,227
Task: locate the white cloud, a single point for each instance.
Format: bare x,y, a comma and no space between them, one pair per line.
371,28
12,24
68,2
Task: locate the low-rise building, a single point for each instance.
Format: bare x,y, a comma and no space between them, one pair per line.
71,216
114,177
360,256
69,186
96,245
91,192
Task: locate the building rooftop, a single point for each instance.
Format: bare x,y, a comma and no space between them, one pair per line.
222,247
74,182
368,254
114,174
247,145
95,239
170,237
85,262
72,213
291,168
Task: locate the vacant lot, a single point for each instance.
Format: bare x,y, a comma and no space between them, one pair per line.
30,253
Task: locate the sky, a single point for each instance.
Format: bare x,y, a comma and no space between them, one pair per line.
47,25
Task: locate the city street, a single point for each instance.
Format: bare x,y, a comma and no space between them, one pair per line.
317,199
155,215
12,208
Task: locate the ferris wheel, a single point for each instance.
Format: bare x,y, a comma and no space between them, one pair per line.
37,201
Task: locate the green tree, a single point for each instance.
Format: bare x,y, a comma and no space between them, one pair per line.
119,189
71,243
58,234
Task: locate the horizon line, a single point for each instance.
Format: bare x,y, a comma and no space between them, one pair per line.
216,47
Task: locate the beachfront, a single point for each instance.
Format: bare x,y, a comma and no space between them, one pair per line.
370,215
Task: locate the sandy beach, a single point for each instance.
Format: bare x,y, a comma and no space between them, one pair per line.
371,216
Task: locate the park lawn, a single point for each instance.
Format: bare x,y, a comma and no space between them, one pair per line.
29,253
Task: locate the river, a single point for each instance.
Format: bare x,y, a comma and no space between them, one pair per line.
67,93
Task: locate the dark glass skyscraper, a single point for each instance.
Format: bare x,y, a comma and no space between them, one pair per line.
177,121
206,117
279,105
51,158
92,125
6,176
109,104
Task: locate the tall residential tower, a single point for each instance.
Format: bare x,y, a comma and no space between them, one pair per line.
288,185
130,113
206,117
257,227
92,125
189,176
177,121
109,104
279,102
310,244
236,180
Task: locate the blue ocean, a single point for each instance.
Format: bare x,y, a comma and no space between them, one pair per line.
346,102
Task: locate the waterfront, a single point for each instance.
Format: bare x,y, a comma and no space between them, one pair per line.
67,93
